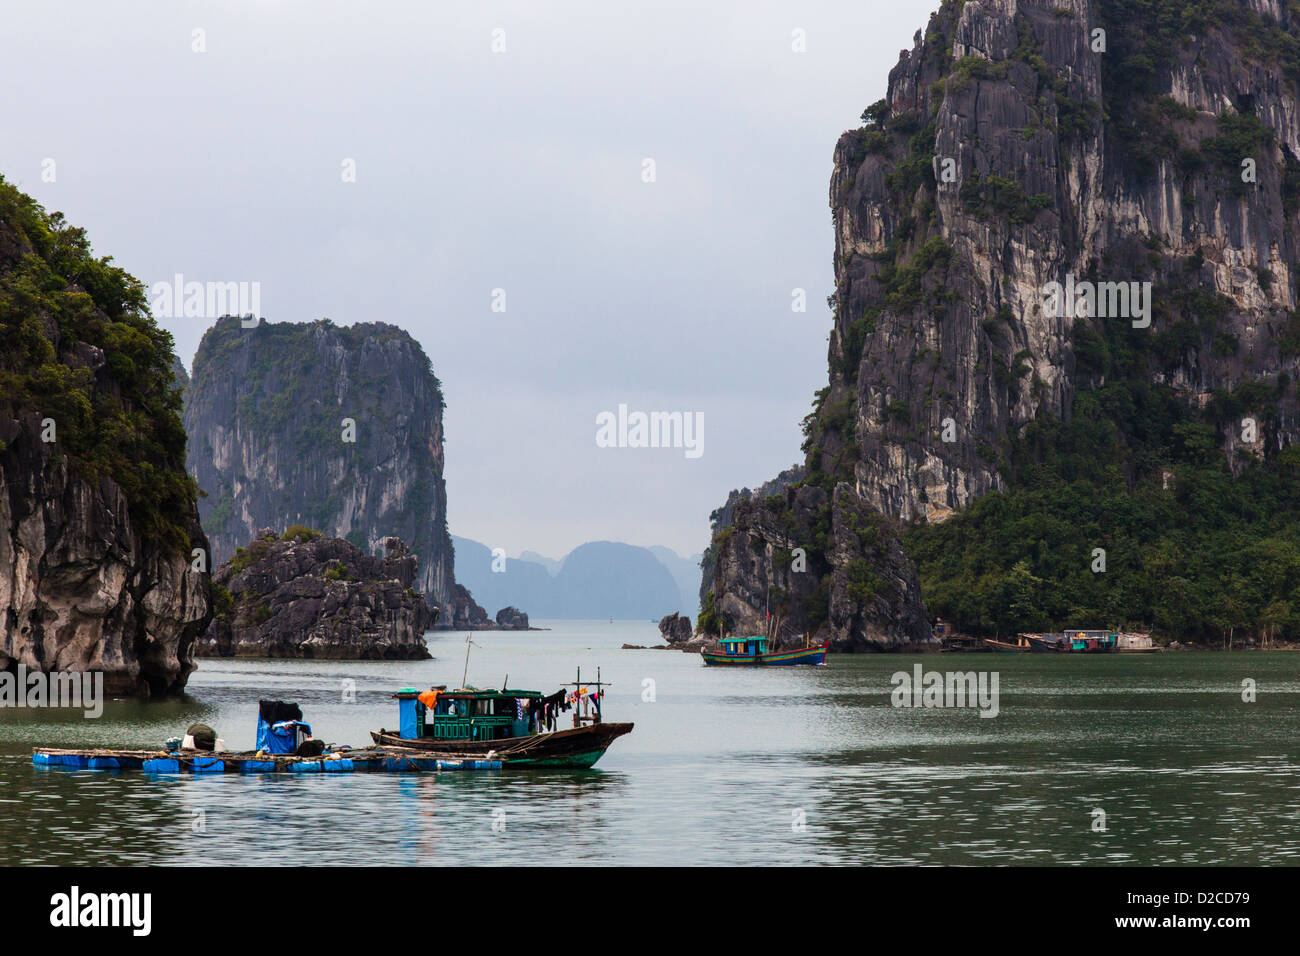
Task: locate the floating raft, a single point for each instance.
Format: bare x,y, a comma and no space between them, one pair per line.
367,760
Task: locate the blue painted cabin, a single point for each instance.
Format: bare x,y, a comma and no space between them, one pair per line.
464,714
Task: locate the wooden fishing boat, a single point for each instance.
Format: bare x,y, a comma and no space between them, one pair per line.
1091,642
509,725
1074,642
752,651
578,747
1019,646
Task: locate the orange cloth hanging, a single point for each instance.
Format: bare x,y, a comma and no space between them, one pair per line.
429,698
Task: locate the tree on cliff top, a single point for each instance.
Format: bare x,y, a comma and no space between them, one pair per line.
119,418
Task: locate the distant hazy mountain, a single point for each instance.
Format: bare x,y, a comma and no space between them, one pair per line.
607,579
686,572
601,579
524,584
550,564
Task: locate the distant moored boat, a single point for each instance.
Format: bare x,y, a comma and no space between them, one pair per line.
753,651
1074,642
1019,646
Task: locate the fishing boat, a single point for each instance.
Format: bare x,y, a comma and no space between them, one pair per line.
1074,642
1019,646
752,651
1090,642
510,725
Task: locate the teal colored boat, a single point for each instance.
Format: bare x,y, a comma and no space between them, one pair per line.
752,651
1075,642
509,725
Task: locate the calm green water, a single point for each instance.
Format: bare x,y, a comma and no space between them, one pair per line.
716,770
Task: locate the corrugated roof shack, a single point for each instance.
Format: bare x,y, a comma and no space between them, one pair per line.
1135,643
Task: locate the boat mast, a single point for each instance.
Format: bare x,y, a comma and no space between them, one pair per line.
580,714
469,639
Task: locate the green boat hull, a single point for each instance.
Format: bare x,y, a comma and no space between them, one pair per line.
576,749
584,761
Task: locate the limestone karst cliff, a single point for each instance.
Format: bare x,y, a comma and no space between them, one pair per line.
302,594
98,519
335,428
819,561
1114,165
1144,154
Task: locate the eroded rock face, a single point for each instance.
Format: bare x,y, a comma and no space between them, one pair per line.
1011,151
1045,187
312,596
468,614
97,518
335,428
512,619
859,591
79,589
676,628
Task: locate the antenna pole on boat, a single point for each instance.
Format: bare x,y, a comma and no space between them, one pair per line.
469,639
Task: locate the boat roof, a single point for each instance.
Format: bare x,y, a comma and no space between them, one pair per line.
471,692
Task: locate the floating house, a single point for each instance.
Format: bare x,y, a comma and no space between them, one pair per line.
1135,644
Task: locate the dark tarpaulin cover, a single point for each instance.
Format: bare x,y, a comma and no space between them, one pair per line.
274,711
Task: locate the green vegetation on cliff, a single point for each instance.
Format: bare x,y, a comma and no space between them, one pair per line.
284,369
120,420
1197,547
1199,523
1191,550
1144,39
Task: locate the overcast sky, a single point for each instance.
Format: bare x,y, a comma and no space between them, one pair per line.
522,170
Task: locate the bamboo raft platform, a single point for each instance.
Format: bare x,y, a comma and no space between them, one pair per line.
364,760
